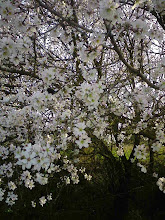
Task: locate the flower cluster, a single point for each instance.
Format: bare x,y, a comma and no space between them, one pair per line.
90,94
80,133
143,169
38,162
109,10
140,152
161,184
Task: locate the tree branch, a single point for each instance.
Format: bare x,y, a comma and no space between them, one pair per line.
21,72
70,22
130,68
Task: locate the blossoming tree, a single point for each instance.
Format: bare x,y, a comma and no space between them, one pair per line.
76,74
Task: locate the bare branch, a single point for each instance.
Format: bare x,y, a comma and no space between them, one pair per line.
20,72
131,68
70,22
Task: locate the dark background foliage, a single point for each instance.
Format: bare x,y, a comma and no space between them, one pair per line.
113,193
